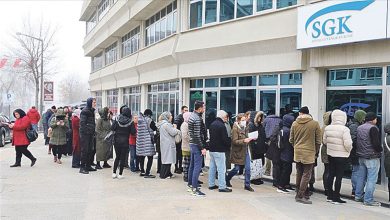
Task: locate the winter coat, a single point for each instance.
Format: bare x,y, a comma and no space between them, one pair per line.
337,136
145,137
270,123
219,140
121,126
286,148
305,136
19,137
324,155
103,149
34,116
387,149
76,133
58,136
87,119
273,151
133,134
167,142
185,138
179,121
238,146
196,130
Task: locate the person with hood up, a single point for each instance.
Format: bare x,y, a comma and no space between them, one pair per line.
76,139
19,138
134,165
87,133
34,117
185,145
258,146
167,144
103,127
386,146
272,123
358,119
327,118
59,125
286,155
337,138
121,126
45,125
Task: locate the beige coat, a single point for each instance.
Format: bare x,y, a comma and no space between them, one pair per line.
185,138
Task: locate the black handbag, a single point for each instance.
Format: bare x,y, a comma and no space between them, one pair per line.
31,134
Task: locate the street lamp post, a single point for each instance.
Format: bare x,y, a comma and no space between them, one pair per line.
38,39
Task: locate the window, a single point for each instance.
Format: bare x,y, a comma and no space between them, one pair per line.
226,10
268,101
130,42
103,8
355,77
97,62
264,5
91,23
229,82
196,83
132,98
194,96
290,100
228,101
111,53
161,25
291,79
244,8
388,75
98,96
266,80
195,13
246,100
211,11
247,81
285,3
163,97
211,82
112,100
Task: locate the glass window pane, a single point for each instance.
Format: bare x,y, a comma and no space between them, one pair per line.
163,28
291,79
229,82
358,77
264,5
169,24
247,81
211,11
196,83
268,101
226,10
211,107
246,100
388,75
196,14
244,8
195,95
211,82
174,22
157,31
285,3
290,101
228,101
152,34
268,80
172,104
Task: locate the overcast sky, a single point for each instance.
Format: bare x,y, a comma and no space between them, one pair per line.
62,14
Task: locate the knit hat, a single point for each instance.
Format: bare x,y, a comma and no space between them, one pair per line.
304,110
370,116
360,115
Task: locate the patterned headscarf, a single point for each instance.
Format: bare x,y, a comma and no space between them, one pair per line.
165,116
186,116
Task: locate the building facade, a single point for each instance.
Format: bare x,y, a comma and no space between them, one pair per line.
236,55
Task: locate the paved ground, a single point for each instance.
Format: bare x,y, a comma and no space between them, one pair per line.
52,191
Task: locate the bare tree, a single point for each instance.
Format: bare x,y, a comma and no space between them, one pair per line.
73,90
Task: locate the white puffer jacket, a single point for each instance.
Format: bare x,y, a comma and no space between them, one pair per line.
337,136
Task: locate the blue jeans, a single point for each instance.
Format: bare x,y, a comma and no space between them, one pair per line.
217,163
195,166
133,156
236,168
367,175
354,175
35,127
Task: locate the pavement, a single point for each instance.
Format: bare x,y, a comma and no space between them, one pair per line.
53,191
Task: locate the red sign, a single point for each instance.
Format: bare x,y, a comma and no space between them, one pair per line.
48,91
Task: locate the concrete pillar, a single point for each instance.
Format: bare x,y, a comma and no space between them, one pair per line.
144,97
120,97
185,92
104,98
183,13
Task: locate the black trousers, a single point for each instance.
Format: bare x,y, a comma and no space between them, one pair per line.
86,145
325,176
120,158
141,160
336,169
179,157
159,163
93,151
285,173
20,151
276,171
165,171
58,150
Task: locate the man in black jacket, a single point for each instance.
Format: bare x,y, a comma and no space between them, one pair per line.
87,132
179,157
219,144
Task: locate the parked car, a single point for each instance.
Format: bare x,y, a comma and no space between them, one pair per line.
5,131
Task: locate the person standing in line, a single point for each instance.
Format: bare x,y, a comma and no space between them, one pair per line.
305,136
34,117
337,138
271,122
327,118
167,144
76,139
121,126
358,119
47,121
258,146
239,152
219,143
369,150
145,142
19,138
103,149
386,146
229,132
59,126
69,133
87,133
134,165
179,157
197,147
185,145
45,125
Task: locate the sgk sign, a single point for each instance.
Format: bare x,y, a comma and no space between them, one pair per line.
341,21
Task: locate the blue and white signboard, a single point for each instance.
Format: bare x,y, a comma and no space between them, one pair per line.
341,21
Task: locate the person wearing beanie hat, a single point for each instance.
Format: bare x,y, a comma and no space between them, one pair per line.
356,121
369,150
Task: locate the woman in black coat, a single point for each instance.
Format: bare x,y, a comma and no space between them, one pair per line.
258,147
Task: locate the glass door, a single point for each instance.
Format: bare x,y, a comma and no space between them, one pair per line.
211,102
268,101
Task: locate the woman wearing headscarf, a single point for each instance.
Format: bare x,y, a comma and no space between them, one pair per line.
76,139
59,125
258,147
167,144
185,145
19,138
103,127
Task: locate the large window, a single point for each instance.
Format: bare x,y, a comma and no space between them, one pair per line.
161,25
244,8
211,11
111,53
99,99
130,42
264,5
112,100
196,13
290,100
97,62
355,77
246,100
285,3
91,23
226,11
163,97
132,98
388,75
103,8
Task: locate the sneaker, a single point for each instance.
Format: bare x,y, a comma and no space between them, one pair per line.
374,203
197,192
358,199
142,174
114,176
15,165
149,176
338,201
250,189
303,201
189,189
282,190
213,187
290,189
228,184
120,177
329,199
225,190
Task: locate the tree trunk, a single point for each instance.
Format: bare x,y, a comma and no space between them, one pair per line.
36,93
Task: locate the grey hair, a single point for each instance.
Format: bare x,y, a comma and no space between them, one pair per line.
221,114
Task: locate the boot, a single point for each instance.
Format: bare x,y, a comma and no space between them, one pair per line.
15,165
33,161
98,167
17,162
90,168
83,170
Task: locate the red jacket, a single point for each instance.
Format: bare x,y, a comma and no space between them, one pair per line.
76,134
34,116
133,134
19,131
